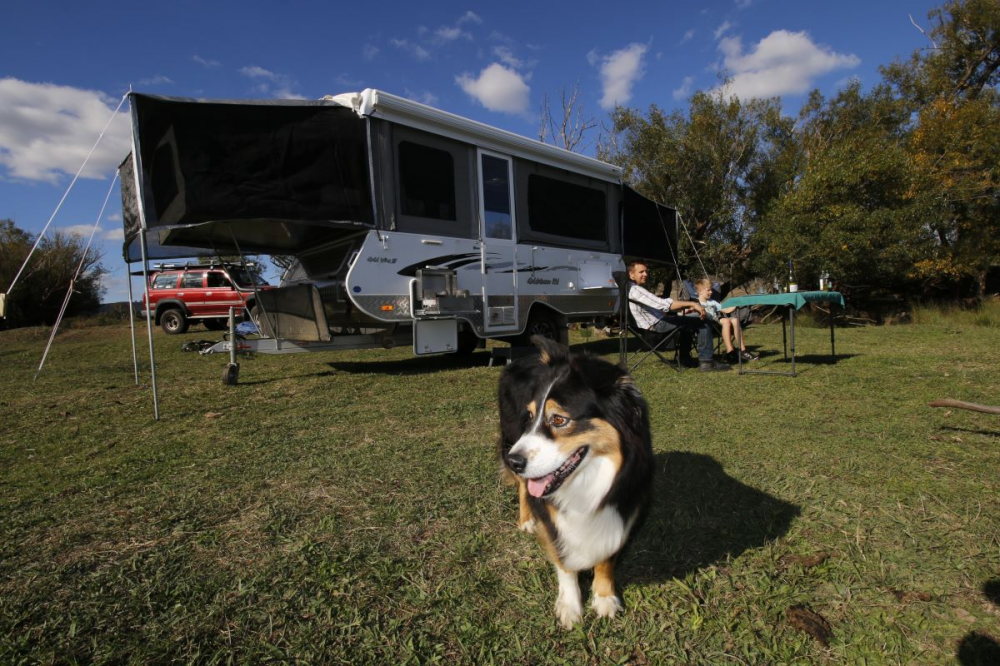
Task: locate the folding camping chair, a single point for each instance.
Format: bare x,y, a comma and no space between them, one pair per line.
651,342
719,292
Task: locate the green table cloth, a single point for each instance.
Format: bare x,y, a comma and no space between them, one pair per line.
796,299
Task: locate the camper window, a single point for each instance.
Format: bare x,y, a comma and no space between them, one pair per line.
496,197
566,209
426,182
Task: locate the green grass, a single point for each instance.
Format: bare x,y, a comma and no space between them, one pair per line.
345,508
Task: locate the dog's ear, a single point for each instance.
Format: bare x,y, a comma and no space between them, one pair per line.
550,351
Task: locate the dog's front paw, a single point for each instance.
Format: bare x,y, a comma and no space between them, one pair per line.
568,612
606,606
527,526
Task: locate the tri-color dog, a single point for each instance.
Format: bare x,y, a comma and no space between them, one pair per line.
575,438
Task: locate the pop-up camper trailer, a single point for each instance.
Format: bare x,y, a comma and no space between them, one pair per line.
407,224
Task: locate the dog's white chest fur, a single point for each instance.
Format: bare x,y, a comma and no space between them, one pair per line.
588,535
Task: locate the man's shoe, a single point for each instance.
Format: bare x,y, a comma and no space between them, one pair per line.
713,366
732,358
687,362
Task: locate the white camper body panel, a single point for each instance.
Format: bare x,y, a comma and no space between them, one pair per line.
493,292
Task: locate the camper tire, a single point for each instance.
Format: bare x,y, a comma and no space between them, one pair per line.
173,321
541,322
468,342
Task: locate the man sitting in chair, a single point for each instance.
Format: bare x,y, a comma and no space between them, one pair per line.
651,313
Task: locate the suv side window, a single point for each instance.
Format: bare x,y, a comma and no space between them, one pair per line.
218,280
193,280
165,281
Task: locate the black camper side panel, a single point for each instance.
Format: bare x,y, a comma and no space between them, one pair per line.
251,166
650,229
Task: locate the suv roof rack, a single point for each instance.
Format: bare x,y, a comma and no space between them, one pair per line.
225,264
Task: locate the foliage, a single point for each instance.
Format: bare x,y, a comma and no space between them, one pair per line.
855,210
951,88
39,293
721,165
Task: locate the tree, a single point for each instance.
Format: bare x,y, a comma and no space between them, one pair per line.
856,209
38,295
722,165
571,128
951,90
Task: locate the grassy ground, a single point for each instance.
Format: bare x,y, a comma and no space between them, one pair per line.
345,508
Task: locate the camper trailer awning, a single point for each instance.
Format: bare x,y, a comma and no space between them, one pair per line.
649,229
270,177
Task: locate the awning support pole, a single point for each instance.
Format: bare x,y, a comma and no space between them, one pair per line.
131,320
149,324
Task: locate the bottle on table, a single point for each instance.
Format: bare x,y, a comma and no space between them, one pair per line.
792,285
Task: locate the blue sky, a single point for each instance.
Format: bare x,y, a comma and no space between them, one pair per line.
65,66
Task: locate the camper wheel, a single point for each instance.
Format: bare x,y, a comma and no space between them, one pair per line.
173,322
543,322
231,374
468,342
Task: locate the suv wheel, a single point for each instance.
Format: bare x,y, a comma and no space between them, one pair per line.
173,322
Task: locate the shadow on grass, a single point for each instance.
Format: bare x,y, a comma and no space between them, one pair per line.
973,431
416,365
978,648
698,515
325,373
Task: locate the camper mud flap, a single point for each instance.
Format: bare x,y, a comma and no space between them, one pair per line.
435,336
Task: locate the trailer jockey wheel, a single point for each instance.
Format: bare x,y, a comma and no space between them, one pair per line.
231,374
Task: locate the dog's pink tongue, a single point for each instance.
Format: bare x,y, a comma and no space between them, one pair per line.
536,487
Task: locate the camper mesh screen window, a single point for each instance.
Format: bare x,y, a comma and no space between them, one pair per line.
426,182
566,209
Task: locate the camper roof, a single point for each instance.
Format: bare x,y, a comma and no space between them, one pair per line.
380,104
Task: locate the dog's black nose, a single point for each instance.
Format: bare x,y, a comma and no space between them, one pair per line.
516,462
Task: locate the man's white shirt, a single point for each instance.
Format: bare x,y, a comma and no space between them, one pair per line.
647,309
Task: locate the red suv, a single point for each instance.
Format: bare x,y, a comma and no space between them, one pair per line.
192,293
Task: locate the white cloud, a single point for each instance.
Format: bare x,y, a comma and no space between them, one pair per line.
469,17
722,29
450,34
688,36
47,130
619,72
369,52
279,86
423,96
255,72
743,4
782,63
497,88
113,217
157,80
685,90
205,62
117,234
418,52
81,230
507,57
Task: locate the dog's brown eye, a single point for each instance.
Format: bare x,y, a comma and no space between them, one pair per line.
558,421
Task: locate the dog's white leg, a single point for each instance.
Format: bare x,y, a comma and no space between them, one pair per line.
604,602
569,608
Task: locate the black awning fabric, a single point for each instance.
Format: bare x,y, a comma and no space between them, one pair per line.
650,229
221,174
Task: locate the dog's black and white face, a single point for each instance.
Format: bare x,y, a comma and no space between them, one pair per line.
579,421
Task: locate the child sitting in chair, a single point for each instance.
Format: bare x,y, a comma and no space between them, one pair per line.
726,318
